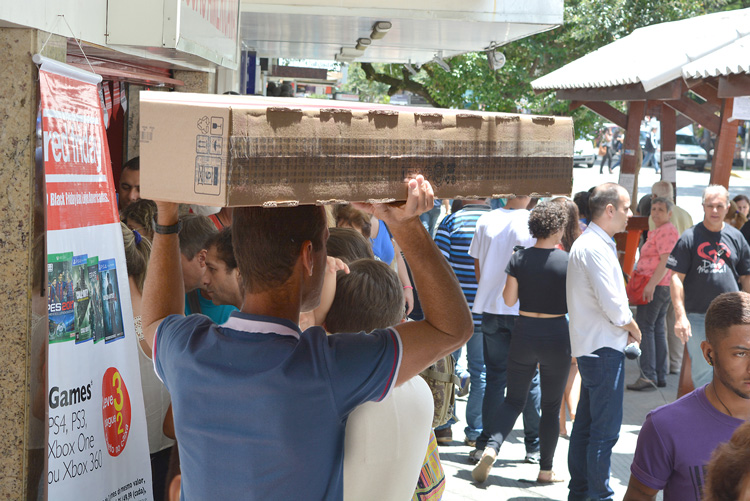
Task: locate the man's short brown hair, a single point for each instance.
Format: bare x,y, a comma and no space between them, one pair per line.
602,196
369,297
267,242
729,465
727,310
346,215
133,164
348,245
224,249
194,233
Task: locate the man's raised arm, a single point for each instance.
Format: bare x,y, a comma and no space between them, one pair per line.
164,290
447,322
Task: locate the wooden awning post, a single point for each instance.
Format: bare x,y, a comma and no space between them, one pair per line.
629,166
668,160
721,167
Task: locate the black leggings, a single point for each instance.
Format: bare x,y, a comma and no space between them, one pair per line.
608,157
543,341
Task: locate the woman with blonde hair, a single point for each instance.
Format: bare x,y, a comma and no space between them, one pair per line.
155,395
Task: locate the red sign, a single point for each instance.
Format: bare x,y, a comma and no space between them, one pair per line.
115,412
222,14
80,189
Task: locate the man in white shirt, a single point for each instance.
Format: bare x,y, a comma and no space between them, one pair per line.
601,325
497,233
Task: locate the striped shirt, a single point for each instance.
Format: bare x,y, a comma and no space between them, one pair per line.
453,238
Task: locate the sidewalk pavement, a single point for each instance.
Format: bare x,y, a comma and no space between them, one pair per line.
512,479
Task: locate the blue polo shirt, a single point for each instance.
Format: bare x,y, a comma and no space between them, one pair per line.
453,238
260,408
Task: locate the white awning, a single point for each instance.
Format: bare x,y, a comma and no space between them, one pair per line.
420,29
732,59
653,55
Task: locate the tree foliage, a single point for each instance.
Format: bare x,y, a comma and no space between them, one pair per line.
471,84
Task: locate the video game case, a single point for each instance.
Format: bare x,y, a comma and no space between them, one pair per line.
61,299
96,308
113,328
82,299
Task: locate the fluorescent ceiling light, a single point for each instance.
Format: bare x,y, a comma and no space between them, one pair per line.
379,29
351,52
363,43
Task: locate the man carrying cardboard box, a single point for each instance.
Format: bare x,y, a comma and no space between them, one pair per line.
260,408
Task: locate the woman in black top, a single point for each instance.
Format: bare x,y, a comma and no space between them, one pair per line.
536,278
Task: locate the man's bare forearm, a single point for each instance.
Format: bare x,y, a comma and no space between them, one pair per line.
442,300
677,292
163,291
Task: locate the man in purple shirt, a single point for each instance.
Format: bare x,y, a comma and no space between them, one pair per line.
676,441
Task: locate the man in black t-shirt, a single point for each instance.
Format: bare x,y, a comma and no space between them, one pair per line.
708,259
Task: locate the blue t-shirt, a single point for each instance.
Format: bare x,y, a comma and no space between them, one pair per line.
260,408
218,313
382,246
453,238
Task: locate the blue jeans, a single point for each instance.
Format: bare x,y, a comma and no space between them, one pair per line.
701,372
475,362
496,330
648,156
429,219
651,319
597,425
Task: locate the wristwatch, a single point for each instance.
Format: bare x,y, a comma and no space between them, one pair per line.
168,230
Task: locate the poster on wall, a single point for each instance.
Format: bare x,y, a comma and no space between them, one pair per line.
97,440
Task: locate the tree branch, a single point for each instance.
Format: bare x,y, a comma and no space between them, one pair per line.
397,84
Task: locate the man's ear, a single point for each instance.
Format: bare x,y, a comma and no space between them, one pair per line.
306,253
201,255
707,352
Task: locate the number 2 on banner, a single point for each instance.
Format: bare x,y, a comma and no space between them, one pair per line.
115,411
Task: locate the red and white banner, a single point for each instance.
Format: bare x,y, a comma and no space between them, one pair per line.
97,446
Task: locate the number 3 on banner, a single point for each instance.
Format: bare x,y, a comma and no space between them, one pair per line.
115,411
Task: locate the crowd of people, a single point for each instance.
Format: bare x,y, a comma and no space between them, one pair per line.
282,348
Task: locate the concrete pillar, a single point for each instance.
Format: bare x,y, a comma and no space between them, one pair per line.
196,81
24,329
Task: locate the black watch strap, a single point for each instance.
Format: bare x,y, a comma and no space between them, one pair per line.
168,230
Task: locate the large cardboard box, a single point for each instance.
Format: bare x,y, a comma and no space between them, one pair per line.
248,150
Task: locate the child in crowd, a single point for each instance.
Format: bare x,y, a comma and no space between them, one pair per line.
390,439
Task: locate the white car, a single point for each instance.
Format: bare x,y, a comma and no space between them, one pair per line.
690,154
584,153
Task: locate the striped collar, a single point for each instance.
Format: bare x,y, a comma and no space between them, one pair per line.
246,322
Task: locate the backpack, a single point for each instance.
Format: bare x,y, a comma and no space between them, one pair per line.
442,380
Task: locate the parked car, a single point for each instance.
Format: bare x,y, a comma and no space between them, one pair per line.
584,153
690,153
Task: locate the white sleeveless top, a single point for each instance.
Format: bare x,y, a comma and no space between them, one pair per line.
156,398
386,443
